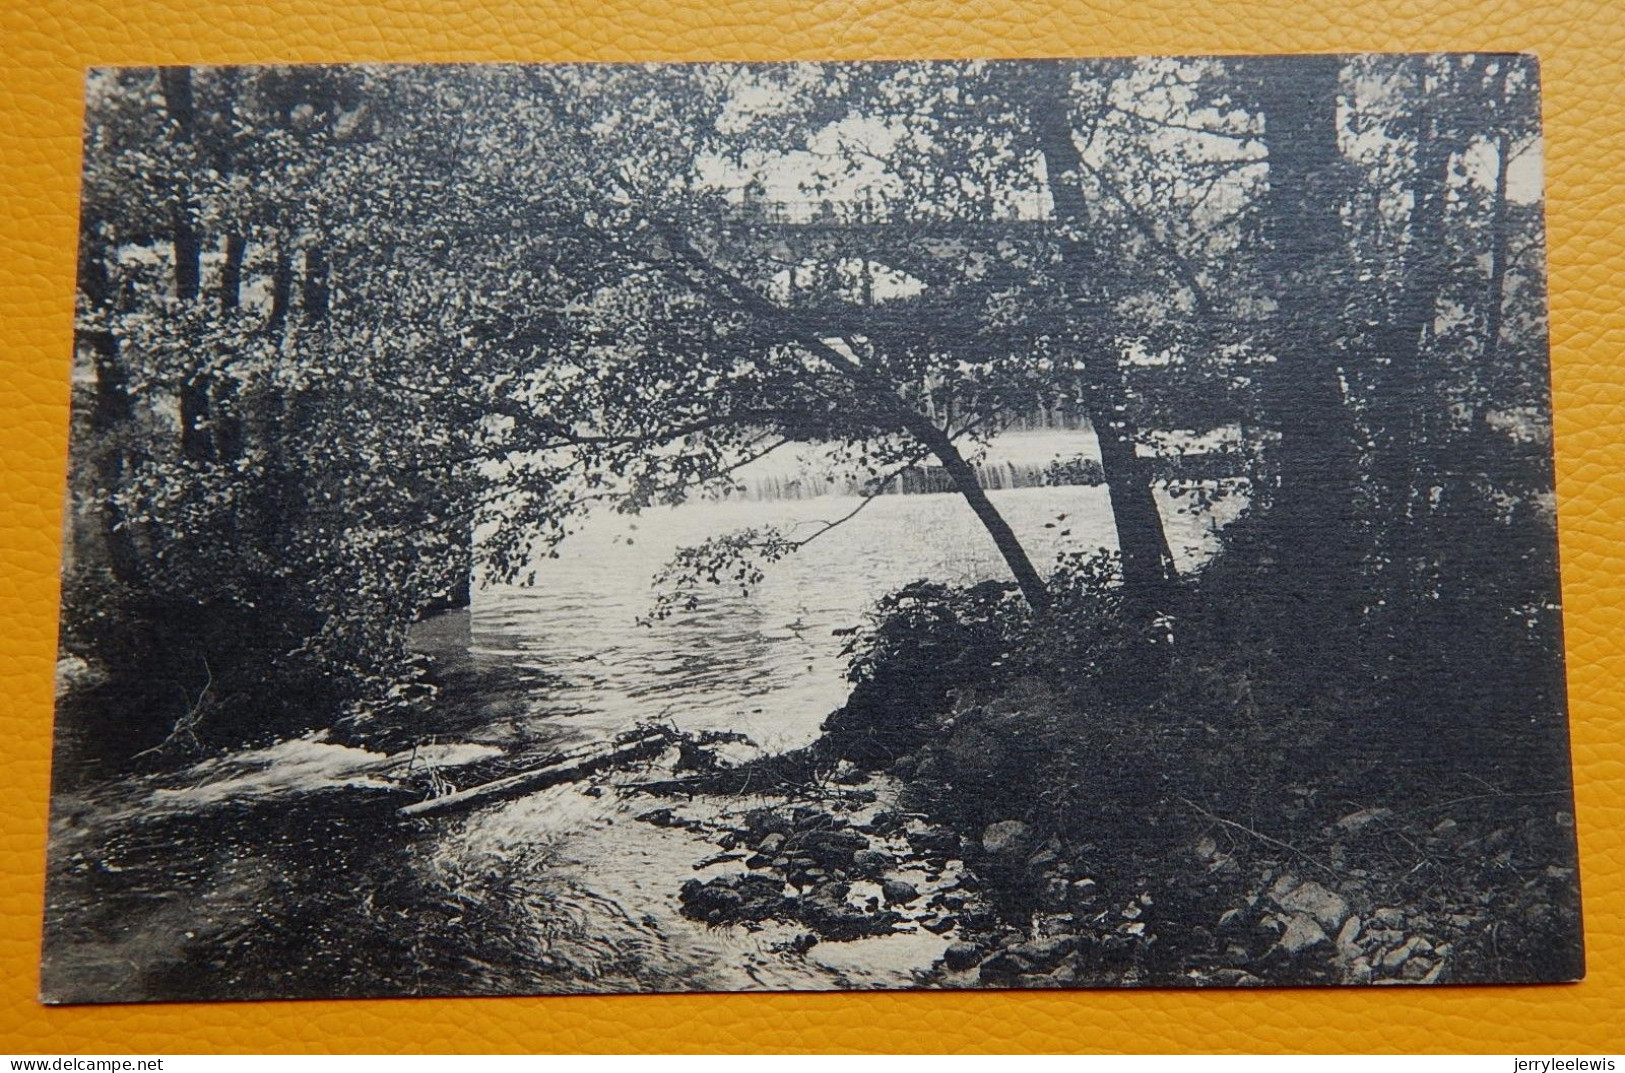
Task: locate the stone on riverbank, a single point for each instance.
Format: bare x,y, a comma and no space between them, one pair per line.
961,956
1302,933
1006,838
897,892
1327,907
872,863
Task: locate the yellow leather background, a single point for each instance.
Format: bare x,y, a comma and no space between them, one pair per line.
47,43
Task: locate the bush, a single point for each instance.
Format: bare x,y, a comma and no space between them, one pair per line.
925,643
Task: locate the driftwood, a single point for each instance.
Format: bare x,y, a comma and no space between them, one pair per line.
561,767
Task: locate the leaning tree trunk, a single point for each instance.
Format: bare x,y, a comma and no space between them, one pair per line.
1147,564
966,484
924,430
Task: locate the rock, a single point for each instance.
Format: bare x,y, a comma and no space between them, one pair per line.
1346,938
1360,970
1004,966
885,821
1044,856
831,849
1415,968
827,912
662,817
1045,954
1235,978
1355,822
1399,955
979,918
1390,916
760,860
1327,906
848,774
939,841
961,956
1057,893
1006,838
1283,886
897,892
714,903
1302,933
771,844
939,925
808,819
1232,919
1433,974
1037,957
760,822
871,863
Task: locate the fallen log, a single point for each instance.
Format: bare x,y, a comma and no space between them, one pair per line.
561,767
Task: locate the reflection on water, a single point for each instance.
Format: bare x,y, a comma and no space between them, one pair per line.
602,913
770,663
301,881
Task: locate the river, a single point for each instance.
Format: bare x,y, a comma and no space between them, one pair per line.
561,890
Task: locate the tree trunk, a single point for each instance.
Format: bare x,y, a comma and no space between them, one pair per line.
281,290
110,411
1403,400
231,273
1147,564
963,475
1495,303
1312,522
317,290
176,86
922,428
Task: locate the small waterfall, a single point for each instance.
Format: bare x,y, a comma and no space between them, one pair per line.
917,480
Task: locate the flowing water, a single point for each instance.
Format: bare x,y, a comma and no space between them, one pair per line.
768,664
564,889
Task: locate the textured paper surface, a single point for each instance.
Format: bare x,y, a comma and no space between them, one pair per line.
47,47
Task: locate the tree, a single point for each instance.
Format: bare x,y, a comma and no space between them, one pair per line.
1313,523
266,531
1147,562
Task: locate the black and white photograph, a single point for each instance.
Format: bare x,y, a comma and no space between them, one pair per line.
777,527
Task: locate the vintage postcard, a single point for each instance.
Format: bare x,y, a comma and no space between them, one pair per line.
543,529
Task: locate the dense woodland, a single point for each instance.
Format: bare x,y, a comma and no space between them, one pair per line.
333,320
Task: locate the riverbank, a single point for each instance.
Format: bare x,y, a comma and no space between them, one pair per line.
286,872
1166,802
